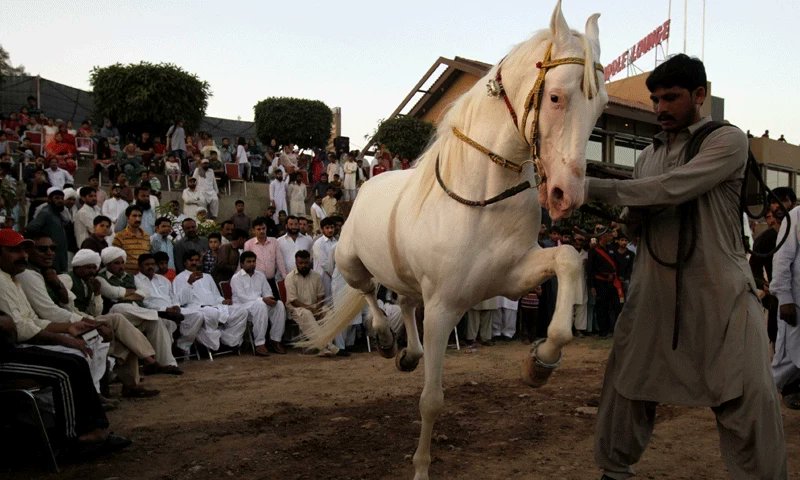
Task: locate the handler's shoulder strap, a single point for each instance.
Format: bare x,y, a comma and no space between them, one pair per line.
699,136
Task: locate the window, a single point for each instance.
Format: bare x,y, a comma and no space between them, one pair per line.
777,178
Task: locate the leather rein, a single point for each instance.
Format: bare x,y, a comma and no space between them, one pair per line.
532,102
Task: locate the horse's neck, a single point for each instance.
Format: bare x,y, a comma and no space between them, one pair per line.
471,173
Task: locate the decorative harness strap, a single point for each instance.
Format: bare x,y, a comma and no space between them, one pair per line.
534,99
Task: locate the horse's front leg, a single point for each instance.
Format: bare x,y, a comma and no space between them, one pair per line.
537,266
438,324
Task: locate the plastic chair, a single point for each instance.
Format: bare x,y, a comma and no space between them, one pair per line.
85,147
232,171
26,396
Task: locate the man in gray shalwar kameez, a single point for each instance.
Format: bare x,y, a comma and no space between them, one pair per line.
721,357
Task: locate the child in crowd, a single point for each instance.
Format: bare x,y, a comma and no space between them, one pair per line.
329,202
172,167
317,214
162,265
210,256
155,183
98,240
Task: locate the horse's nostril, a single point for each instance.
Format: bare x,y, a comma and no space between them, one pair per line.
557,193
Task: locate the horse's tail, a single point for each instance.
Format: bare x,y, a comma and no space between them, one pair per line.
347,303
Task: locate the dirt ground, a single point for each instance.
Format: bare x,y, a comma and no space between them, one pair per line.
299,417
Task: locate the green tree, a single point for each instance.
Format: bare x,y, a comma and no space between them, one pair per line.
405,136
148,97
6,68
306,123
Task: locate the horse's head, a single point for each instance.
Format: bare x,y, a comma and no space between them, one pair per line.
565,102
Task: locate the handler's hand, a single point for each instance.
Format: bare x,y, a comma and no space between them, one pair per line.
788,314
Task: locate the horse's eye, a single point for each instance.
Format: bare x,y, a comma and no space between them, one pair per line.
554,98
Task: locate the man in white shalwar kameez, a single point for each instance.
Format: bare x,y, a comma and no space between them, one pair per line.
252,292
322,253
786,286
223,323
159,295
207,186
119,288
277,194
505,324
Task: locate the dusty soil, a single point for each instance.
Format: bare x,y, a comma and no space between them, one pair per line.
303,417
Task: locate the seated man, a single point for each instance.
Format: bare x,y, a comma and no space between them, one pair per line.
118,289
251,290
223,322
304,297
228,257
43,289
162,266
81,424
160,296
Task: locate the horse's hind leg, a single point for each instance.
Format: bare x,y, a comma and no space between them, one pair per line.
438,324
408,358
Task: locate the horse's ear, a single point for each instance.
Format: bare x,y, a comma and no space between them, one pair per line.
592,30
559,27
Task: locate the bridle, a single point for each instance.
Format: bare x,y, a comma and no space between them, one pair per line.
533,102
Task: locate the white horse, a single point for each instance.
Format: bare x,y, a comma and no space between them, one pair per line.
414,231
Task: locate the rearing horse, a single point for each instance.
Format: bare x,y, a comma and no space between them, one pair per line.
463,225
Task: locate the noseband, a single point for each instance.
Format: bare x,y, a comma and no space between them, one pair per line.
532,102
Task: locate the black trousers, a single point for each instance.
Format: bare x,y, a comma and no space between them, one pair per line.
77,405
605,306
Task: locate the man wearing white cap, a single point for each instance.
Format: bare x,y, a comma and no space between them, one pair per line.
119,289
194,289
128,344
207,186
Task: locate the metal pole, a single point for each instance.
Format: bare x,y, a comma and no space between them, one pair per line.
685,18
38,92
703,35
669,17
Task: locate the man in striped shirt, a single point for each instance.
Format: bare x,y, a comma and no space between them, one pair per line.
133,239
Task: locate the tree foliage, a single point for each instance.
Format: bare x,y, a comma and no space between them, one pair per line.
405,136
6,68
148,97
306,123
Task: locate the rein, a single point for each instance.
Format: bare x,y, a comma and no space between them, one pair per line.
533,101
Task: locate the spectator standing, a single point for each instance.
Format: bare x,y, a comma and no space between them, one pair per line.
291,243
297,195
58,177
207,186
176,144
84,218
268,256
239,218
161,241
241,158
604,279
115,206
98,240
277,193
228,256
133,239
191,241
145,204
51,223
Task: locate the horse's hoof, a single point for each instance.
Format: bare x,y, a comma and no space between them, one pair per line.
388,352
404,363
535,373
